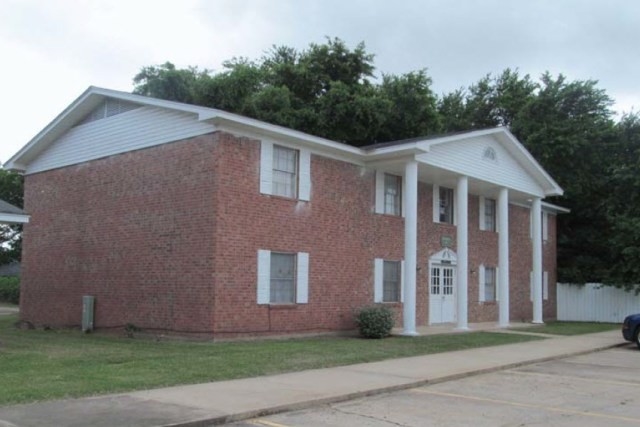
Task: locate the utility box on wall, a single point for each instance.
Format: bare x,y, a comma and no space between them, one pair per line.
87,313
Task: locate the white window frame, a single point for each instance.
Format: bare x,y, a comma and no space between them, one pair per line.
378,279
436,205
301,286
482,283
482,211
381,193
303,170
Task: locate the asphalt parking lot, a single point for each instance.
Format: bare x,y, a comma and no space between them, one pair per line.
596,389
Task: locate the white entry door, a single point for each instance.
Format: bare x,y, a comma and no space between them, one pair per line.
442,304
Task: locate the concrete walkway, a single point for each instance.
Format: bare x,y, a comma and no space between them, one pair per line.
225,401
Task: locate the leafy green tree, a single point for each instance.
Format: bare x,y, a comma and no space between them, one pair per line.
11,191
326,90
623,205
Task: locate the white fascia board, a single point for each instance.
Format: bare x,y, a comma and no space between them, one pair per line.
8,218
219,117
294,139
554,209
391,153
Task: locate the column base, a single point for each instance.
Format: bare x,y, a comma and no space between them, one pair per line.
537,322
461,328
505,325
409,334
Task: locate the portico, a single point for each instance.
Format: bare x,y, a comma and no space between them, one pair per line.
490,165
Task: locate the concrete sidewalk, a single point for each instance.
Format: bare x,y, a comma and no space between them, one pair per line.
226,401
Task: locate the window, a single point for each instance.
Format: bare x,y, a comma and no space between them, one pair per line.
392,194
283,278
446,205
489,215
489,284
387,278
391,281
285,168
285,171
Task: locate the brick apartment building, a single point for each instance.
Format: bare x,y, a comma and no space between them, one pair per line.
192,220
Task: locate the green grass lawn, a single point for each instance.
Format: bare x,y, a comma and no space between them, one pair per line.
570,328
40,365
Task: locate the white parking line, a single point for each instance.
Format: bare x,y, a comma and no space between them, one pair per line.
590,380
528,405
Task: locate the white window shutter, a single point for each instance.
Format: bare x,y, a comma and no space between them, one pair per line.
455,206
531,223
304,192
402,281
266,167
481,207
403,207
302,282
545,226
545,285
379,192
378,265
531,285
264,276
436,203
481,283
497,284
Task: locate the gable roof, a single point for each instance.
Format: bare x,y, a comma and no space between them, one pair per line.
10,214
89,100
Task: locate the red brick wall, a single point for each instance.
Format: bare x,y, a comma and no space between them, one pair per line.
167,238
135,230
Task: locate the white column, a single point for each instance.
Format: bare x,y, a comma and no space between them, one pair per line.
410,247
503,256
536,241
462,191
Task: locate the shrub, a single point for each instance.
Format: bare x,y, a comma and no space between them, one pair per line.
375,321
10,289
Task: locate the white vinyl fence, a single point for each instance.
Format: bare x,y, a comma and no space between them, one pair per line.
595,302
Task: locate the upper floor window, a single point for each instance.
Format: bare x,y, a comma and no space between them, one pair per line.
392,194
446,205
489,217
285,172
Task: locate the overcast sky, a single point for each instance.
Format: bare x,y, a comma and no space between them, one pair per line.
52,50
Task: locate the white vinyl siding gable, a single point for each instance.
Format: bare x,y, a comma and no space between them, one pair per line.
266,281
131,130
466,158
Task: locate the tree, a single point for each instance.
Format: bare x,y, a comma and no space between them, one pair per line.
568,128
11,191
326,90
623,205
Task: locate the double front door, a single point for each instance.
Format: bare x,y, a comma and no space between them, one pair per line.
442,302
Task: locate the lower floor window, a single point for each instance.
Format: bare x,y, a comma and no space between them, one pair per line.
489,284
391,281
283,278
